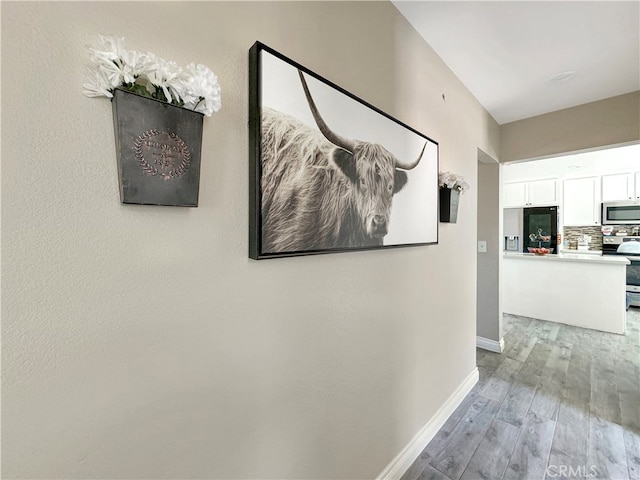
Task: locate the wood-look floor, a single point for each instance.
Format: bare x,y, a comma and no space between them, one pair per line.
559,402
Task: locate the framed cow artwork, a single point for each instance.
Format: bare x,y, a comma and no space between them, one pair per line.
329,172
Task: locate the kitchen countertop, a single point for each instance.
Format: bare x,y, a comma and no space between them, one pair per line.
570,257
587,252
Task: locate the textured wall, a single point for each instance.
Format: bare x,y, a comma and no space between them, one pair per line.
141,342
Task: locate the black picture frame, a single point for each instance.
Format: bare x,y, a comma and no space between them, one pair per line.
322,178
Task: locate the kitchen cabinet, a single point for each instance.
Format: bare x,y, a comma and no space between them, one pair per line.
543,192
514,194
530,194
582,200
619,186
637,192
588,291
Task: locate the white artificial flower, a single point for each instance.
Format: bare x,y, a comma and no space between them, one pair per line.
201,91
114,66
116,73
167,76
111,48
113,60
452,181
141,64
98,86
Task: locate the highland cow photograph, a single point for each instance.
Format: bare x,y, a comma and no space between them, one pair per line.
330,172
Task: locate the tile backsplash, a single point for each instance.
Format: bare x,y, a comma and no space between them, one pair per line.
625,228
571,234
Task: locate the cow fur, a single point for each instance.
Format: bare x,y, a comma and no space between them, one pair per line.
317,196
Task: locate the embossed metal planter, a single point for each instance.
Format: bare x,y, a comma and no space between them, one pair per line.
449,200
158,149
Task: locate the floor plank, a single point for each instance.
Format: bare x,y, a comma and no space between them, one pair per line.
473,403
515,406
632,445
531,453
630,410
605,402
560,356
430,473
417,467
522,349
499,384
569,449
561,402
607,450
537,359
466,436
627,376
579,372
546,401
492,455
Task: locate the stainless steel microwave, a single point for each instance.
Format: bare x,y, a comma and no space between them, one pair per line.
621,213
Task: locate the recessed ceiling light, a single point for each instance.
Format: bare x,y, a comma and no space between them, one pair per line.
562,77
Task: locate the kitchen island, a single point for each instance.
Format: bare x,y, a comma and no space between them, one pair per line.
583,290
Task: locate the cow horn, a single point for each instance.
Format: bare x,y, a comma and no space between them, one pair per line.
409,166
337,140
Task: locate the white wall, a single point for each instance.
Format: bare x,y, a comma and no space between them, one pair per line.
141,342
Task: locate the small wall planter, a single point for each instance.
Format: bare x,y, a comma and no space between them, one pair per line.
158,147
449,200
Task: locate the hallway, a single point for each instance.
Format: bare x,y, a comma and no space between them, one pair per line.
559,402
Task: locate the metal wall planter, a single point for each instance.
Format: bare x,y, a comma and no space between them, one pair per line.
449,200
158,148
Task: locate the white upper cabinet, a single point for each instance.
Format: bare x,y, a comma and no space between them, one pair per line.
515,194
543,192
619,187
637,195
581,201
530,194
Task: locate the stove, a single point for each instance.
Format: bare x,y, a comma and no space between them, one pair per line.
628,247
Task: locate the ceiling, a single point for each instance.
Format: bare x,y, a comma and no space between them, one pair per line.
506,52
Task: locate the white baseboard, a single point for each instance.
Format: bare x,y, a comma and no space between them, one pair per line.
491,345
414,448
